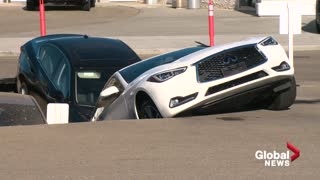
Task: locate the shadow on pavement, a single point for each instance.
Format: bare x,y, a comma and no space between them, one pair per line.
223,110
8,85
250,10
310,27
59,8
313,101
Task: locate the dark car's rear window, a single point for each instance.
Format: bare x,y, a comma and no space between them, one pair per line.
134,71
19,114
97,49
103,53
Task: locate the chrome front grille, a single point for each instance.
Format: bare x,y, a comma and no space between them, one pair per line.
229,62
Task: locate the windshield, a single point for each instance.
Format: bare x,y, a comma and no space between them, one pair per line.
89,84
132,72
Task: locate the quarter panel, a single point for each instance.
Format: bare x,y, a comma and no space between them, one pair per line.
117,110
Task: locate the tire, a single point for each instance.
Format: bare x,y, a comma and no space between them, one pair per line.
318,27
148,110
86,6
317,16
22,88
30,5
285,99
93,3
18,85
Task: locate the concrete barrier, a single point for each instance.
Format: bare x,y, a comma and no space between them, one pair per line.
208,147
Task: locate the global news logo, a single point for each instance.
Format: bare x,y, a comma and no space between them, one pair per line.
278,159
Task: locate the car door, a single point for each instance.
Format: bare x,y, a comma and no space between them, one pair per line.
25,67
56,73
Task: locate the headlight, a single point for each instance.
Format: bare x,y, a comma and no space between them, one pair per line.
268,42
284,66
166,75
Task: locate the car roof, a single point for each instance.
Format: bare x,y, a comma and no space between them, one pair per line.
85,51
18,109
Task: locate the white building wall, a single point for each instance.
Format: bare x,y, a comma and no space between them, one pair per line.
273,7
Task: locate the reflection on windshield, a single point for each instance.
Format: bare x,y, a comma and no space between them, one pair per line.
131,73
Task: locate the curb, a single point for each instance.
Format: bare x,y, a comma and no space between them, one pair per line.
165,50
304,48
9,53
12,4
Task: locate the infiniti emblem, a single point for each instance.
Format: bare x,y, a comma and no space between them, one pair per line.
229,60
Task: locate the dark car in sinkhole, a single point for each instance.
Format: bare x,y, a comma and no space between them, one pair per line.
70,68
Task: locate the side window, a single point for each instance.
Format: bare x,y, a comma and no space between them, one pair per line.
46,61
24,61
62,77
56,66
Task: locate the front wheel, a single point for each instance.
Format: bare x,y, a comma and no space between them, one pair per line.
148,110
87,5
285,99
318,15
93,3
30,6
22,88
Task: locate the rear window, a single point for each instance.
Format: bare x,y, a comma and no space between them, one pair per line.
19,114
100,49
104,53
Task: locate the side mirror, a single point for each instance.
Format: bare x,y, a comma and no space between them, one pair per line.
57,113
109,91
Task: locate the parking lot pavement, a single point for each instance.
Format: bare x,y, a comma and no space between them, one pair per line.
128,21
60,20
8,68
207,147
220,146
149,29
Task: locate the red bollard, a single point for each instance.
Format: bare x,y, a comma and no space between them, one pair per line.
211,23
42,18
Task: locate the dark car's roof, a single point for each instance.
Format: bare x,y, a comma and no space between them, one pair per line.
84,51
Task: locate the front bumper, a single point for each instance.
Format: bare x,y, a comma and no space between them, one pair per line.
239,100
214,91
